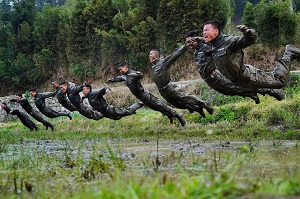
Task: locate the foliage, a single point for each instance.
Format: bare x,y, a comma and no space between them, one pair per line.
275,21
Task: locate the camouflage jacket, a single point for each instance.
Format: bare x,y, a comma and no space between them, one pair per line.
228,54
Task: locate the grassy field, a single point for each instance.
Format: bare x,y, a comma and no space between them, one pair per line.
243,150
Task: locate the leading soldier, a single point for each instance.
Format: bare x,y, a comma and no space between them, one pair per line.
227,52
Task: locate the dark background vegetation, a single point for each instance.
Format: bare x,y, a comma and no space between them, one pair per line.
62,39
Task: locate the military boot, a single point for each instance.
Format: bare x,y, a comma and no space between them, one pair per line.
293,51
277,93
252,96
181,119
209,109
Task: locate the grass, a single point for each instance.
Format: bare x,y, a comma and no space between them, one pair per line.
243,150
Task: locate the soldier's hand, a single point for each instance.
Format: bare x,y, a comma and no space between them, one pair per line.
243,28
110,80
87,81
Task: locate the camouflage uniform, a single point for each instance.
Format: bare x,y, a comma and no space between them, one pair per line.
132,79
85,110
97,101
39,100
63,100
216,80
170,91
23,118
33,112
229,59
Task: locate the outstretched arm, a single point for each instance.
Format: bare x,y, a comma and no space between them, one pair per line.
117,79
249,37
103,91
136,74
174,56
43,96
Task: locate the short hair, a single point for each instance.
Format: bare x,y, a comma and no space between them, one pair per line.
32,90
121,64
155,50
4,103
64,83
215,24
89,87
191,34
19,94
54,81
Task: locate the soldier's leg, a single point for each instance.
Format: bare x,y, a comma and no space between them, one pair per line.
47,111
39,117
221,84
117,113
154,103
256,78
89,112
179,98
25,119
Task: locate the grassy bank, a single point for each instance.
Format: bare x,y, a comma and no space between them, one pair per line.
83,158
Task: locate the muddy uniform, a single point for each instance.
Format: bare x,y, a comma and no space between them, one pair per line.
132,79
63,100
217,81
39,101
23,118
33,112
170,91
87,111
97,101
229,59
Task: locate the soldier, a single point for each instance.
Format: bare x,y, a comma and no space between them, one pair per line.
132,79
98,102
62,97
39,100
72,93
169,90
212,76
229,58
22,116
31,111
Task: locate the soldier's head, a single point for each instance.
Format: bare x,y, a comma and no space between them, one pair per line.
123,67
32,92
3,105
153,55
86,89
55,83
18,95
64,86
211,30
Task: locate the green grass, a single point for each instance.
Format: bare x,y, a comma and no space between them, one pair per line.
84,158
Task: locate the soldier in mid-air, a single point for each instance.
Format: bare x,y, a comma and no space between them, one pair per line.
215,79
21,115
169,90
98,102
62,97
228,56
75,98
132,79
39,100
31,111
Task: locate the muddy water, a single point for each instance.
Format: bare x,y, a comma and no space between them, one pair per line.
264,158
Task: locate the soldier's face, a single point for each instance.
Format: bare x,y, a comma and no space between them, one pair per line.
209,33
85,91
123,69
18,97
63,88
153,56
3,106
32,93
